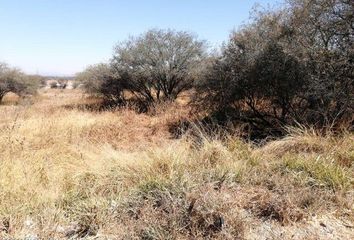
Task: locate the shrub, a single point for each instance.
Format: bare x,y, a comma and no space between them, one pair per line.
53,85
289,66
100,80
13,80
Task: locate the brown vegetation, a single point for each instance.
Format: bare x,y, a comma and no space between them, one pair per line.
162,143
67,171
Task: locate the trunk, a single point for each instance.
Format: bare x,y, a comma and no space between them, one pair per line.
2,94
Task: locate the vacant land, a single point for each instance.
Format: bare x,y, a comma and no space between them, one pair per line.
70,170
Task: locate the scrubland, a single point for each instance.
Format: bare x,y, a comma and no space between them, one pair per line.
69,170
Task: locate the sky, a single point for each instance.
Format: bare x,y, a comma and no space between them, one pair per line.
62,37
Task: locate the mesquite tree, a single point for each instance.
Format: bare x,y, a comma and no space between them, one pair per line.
159,64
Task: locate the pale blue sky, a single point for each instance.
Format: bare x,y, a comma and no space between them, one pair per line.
62,37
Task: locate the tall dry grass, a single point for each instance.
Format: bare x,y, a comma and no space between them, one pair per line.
67,171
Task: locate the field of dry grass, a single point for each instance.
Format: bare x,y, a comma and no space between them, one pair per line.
68,171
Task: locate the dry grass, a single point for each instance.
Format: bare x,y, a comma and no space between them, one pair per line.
67,171
10,99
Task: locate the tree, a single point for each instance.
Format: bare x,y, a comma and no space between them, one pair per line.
159,64
13,80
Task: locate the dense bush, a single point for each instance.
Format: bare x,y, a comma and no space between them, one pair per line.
152,67
100,80
287,66
13,80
